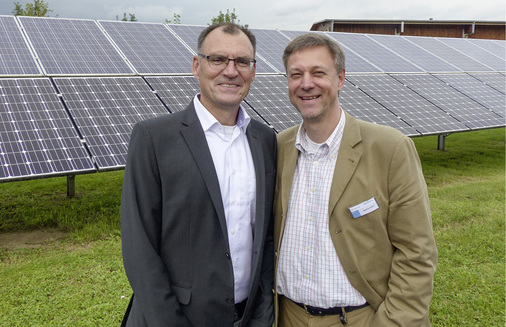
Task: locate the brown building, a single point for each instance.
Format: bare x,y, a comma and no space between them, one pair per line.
435,28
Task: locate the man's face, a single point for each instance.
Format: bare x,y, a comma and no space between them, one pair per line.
223,89
313,82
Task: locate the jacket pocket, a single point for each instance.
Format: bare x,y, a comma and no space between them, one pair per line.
183,294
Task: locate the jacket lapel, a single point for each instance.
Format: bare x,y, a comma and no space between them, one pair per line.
347,161
194,137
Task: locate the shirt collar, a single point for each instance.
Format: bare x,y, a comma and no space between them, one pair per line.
207,120
332,142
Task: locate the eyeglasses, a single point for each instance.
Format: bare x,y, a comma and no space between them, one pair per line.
242,64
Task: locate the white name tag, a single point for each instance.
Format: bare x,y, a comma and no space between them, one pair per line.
364,208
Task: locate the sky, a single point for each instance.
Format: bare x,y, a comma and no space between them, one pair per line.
296,15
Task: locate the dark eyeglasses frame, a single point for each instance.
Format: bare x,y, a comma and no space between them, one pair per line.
239,68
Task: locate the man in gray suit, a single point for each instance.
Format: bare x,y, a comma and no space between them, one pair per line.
197,200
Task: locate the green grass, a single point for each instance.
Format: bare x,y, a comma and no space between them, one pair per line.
80,281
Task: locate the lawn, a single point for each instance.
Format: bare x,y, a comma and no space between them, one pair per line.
79,280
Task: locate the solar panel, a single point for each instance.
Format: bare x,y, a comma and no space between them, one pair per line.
15,56
362,106
150,48
270,45
479,54
175,91
375,53
72,47
188,33
268,95
105,110
417,112
454,103
355,63
37,136
495,80
479,91
495,47
456,58
422,58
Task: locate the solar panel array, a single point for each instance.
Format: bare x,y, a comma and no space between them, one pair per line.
72,89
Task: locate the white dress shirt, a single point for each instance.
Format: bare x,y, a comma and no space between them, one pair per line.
309,269
236,174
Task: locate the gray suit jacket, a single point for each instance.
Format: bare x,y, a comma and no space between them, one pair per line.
173,228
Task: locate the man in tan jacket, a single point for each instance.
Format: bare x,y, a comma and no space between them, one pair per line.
353,231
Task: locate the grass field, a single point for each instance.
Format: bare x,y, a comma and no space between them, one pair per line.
80,281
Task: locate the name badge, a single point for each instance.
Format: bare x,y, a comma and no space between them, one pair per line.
364,208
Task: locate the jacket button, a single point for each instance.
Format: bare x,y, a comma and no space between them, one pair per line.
227,255
229,300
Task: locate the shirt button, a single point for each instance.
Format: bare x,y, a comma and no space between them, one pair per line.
306,276
310,218
315,163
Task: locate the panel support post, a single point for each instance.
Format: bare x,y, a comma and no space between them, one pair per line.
441,138
71,186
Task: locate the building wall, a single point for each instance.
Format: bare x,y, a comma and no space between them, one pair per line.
434,30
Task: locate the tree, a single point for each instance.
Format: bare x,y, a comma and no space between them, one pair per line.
177,19
38,8
228,17
125,19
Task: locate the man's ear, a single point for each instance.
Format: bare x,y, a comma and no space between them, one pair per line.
195,66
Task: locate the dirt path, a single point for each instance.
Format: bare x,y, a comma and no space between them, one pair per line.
32,239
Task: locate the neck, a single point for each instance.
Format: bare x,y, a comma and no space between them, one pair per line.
319,130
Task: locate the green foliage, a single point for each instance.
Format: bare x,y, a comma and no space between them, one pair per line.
176,20
229,17
80,281
125,19
38,8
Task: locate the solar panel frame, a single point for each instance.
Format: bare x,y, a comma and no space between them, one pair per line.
72,47
419,113
16,58
459,106
151,48
105,109
479,91
37,137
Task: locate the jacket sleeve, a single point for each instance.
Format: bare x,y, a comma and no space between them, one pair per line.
409,226
141,218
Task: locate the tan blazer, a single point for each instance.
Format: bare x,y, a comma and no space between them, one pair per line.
389,255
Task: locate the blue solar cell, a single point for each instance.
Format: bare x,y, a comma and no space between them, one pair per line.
72,47
37,137
175,91
496,47
495,80
15,56
188,33
150,48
